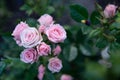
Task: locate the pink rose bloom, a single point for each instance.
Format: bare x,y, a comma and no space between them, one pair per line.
29,55
43,49
66,77
30,37
18,29
41,72
42,28
55,65
110,11
56,33
57,50
45,20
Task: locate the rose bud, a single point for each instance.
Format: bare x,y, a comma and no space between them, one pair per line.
57,50
55,65
41,72
66,77
110,11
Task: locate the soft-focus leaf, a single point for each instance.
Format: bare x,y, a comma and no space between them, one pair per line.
73,53
49,76
85,29
85,50
114,47
50,9
80,38
32,22
78,13
2,66
115,25
94,16
70,52
94,33
25,7
101,43
114,59
94,71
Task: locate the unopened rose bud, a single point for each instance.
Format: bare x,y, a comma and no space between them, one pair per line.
57,50
41,71
66,77
110,11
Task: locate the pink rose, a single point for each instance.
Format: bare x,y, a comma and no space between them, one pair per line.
42,28
66,77
110,11
45,20
29,55
56,33
55,65
43,49
57,50
41,72
30,37
18,29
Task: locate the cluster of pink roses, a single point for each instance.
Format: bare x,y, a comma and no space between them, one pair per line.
35,46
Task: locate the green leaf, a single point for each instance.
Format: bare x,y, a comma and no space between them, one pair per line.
73,53
94,16
27,8
70,36
70,52
114,47
32,22
94,33
101,43
95,71
2,66
78,12
49,76
115,60
50,9
85,50
115,25
85,29
99,8
29,12
80,38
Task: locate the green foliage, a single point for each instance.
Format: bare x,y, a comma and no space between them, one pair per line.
94,17
95,32
32,22
95,71
49,76
70,52
37,6
2,66
78,12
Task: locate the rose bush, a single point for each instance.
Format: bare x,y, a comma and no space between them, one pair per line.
36,47
86,50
